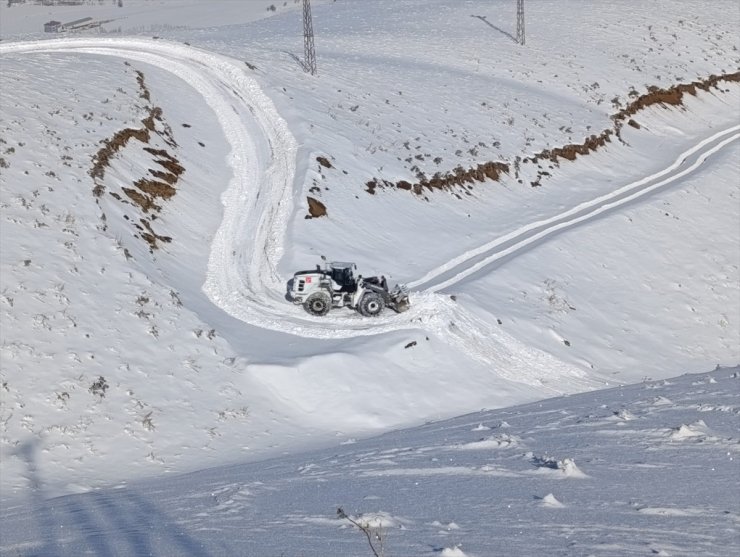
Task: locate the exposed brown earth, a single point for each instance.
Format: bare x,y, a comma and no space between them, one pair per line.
323,161
167,161
461,178
111,147
146,191
316,208
164,176
143,91
149,122
154,188
673,96
458,178
569,152
144,201
152,237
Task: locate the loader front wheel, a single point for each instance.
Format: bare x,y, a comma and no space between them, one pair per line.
318,303
371,305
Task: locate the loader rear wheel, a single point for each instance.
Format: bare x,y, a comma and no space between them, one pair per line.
318,303
371,305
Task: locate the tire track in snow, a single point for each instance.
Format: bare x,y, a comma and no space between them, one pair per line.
526,237
241,278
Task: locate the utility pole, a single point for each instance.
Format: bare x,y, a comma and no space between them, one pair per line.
520,21
309,51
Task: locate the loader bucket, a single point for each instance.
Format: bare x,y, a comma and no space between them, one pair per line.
400,299
402,305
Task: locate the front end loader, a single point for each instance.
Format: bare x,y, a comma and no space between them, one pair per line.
335,286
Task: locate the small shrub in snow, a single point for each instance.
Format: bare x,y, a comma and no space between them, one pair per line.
545,462
99,387
146,421
175,298
373,532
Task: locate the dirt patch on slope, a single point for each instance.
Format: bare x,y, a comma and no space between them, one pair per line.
146,191
570,152
673,96
461,179
316,208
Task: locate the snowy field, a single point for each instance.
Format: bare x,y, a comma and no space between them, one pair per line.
160,179
641,470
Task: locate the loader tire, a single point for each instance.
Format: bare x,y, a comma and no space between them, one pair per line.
371,305
318,303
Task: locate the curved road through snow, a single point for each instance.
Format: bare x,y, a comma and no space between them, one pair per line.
258,204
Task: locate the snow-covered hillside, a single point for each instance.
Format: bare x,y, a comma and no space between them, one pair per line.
649,469
566,213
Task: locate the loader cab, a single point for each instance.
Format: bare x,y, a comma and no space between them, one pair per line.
343,275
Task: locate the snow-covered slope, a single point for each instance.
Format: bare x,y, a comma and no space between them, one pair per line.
155,194
647,469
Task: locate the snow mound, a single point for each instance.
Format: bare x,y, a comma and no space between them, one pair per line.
453,552
661,401
450,526
565,468
623,415
570,470
695,430
376,520
549,501
664,511
494,442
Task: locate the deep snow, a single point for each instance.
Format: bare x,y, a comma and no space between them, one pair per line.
647,469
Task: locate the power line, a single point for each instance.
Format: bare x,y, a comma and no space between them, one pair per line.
520,21
309,51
